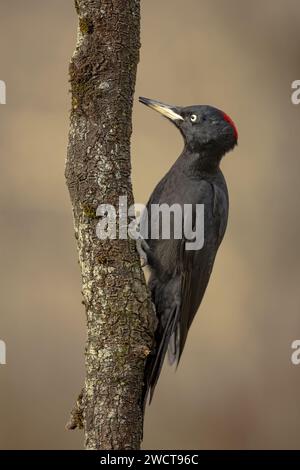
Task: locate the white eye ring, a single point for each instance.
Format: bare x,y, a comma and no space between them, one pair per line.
193,118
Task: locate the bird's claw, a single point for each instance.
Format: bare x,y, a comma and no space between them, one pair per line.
142,247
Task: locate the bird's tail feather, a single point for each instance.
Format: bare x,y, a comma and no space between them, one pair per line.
156,359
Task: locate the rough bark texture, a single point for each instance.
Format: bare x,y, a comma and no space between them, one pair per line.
120,315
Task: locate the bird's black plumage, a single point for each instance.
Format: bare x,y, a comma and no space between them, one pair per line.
179,277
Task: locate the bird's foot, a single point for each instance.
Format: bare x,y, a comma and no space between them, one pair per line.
142,249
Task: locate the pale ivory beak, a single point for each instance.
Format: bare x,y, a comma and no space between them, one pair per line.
164,109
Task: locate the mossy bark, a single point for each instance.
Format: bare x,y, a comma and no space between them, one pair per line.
120,315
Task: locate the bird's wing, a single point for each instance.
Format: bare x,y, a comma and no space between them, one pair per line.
196,265
178,298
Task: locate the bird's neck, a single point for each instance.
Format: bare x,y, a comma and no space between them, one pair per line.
198,162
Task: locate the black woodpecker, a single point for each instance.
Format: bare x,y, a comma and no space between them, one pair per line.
179,276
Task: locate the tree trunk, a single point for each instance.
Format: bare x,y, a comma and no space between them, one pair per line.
120,315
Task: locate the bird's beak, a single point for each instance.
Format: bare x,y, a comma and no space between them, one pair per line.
171,112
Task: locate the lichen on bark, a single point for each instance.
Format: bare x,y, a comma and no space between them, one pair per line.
120,315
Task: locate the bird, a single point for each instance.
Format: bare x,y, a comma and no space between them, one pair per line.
179,276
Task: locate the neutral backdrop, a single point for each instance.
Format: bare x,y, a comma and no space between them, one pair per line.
236,386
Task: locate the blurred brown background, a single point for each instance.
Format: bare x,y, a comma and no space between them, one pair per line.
236,386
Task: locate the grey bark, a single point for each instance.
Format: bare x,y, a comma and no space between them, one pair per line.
119,312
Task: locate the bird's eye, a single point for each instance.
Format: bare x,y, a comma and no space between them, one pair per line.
193,118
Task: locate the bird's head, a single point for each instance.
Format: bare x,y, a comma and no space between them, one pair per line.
206,130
